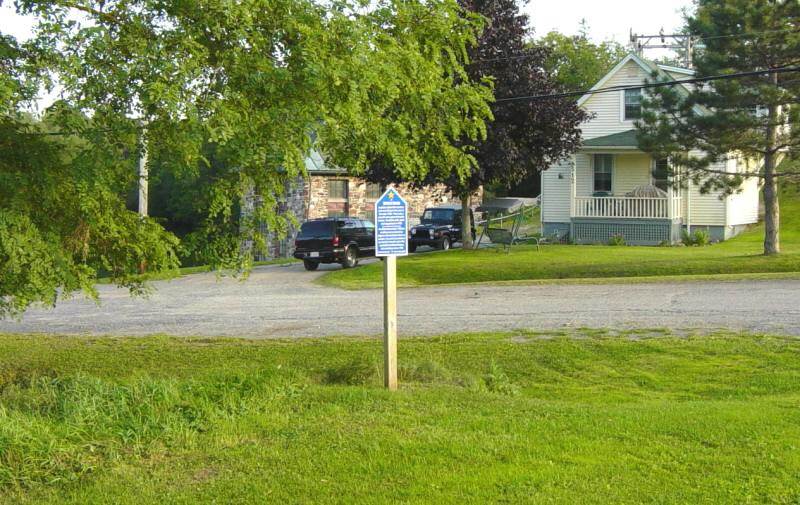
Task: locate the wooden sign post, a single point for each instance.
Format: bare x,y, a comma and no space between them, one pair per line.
390,322
391,241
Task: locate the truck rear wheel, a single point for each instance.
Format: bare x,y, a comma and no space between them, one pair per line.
350,257
310,265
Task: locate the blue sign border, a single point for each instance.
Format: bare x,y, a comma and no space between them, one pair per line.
389,195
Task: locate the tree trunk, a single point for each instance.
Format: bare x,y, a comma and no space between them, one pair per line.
772,243
466,220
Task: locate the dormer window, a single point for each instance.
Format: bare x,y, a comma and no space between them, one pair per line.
633,104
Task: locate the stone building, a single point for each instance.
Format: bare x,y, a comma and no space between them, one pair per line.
330,192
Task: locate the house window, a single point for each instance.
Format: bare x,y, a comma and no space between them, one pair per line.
661,174
337,189
373,191
633,104
337,198
603,165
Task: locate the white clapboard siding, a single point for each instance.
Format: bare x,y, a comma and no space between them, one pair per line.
630,171
556,192
706,209
584,174
742,207
607,107
681,77
677,76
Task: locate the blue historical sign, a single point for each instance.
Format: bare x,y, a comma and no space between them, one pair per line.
391,224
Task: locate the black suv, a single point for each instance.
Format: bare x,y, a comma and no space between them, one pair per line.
439,227
334,240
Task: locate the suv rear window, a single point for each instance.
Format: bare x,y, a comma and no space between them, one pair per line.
433,216
316,229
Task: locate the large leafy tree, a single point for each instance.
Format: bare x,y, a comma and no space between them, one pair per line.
525,136
753,118
258,79
577,63
61,219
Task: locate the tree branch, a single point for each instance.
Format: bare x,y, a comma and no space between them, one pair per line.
88,10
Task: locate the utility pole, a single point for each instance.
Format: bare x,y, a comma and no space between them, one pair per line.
675,41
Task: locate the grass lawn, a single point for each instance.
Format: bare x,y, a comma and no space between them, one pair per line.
511,418
741,255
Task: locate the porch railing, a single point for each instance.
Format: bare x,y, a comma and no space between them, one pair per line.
625,207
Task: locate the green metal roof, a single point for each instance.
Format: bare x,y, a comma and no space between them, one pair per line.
621,139
316,165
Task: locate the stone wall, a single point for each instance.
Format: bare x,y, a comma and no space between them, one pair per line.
293,205
359,205
309,199
317,203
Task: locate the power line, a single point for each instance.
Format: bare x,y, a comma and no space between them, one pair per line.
647,85
697,38
747,35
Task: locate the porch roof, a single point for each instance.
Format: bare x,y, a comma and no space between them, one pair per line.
625,139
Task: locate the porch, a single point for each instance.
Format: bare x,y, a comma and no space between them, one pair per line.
627,207
618,190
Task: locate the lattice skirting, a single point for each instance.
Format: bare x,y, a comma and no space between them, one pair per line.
644,232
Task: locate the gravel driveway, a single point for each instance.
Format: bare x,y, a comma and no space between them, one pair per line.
282,301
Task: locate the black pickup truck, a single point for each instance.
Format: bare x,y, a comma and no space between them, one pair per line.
439,228
334,240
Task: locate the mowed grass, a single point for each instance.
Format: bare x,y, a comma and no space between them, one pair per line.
741,255
587,417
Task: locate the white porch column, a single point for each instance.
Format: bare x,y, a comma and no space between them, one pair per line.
670,195
573,192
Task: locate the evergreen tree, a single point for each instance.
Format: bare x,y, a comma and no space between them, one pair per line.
753,118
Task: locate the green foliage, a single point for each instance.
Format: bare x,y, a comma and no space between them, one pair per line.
524,136
577,63
696,238
496,381
62,218
730,115
616,240
228,99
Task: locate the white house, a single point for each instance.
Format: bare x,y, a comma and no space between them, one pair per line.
610,187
